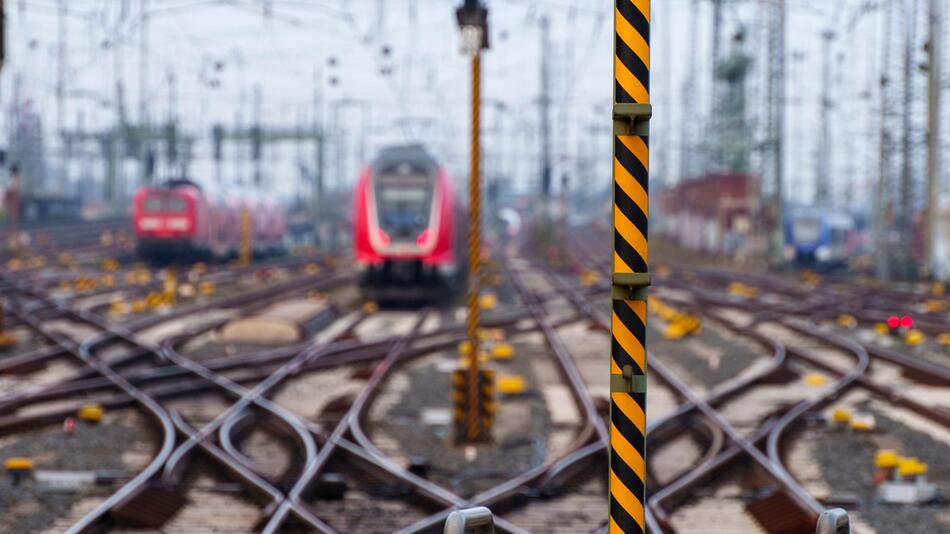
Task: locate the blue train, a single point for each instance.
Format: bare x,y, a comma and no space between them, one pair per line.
818,238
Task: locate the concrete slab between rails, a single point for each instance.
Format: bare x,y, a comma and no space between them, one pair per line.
282,323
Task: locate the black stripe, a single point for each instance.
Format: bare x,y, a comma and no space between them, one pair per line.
625,473
628,254
621,96
623,519
629,430
632,61
630,209
621,357
630,319
635,17
632,163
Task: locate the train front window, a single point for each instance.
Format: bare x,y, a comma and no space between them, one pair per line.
403,205
806,229
175,205
152,204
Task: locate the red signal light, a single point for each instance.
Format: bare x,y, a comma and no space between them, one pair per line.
893,322
907,321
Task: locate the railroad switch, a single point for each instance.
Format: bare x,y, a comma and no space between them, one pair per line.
370,307
847,321
118,307
206,288
815,379
139,306
18,468
739,289
902,480
840,416
589,278
503,351
312,269
936,306
91,413
110,265
487,301
914,338
107,280
510,384
938,289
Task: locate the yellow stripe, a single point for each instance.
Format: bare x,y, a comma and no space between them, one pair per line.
626,451
630,83
614,527
620,266
633,39
630,408
628,341
631,187
630,233
644,7
635,144
626,499
639,307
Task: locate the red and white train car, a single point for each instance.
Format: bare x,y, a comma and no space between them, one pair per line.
407,233
179,219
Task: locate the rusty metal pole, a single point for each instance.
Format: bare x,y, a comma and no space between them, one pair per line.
628,366
244,257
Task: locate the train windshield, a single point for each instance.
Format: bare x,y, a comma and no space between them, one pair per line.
806,229
162,203
403,204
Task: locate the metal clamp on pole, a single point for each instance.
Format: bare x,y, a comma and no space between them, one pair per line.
834,521
632,119
478,520
627,382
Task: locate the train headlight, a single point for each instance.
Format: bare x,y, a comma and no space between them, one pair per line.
789,253
181,224
823,253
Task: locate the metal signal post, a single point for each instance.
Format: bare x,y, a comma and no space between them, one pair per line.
628,366
472,409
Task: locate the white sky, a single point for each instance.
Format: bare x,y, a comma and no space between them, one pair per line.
427,97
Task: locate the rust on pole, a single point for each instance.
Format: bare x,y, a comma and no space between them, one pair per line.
628,366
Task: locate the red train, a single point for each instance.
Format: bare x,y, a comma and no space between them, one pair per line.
178,219
408,238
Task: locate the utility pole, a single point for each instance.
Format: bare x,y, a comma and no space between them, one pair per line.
545,109
777,124
473,411
688,106
884,219
823,174
61,68
714,128
143,64
907,186
935,70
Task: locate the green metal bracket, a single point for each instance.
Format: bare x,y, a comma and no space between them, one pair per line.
628,382
630,286
632,119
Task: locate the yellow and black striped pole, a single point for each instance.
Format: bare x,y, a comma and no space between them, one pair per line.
473,21
628,364
244,252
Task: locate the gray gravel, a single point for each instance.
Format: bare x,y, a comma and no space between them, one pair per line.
27,508
847,463
736,353
495,463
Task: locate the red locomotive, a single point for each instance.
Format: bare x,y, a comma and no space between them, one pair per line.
407,237
178,219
